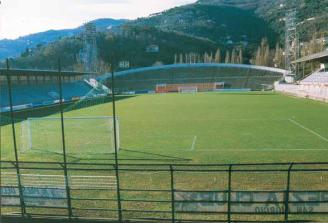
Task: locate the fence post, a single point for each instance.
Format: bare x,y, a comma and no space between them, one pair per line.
287,192
229,193
20,189
172,194
68,192
118,191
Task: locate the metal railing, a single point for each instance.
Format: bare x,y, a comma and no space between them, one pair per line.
272,192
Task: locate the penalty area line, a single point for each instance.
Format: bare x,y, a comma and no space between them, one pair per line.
307,129
193,145
258,150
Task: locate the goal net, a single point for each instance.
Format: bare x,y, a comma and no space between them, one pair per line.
187,89
83,135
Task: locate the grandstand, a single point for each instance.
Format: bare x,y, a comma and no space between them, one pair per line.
33,88
320,77
38,88
234,76
313,86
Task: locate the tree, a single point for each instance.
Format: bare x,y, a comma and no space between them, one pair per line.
217,58
258,57
78,67
103,67
278,59
240,56
206,58
195,58
233,56
316,45
181,59
266,56
263,55
26,53
199,58
227,57
211,59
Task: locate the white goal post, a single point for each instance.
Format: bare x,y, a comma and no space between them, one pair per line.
83,135
188,89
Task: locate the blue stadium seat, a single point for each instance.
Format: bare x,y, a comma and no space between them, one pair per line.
42,93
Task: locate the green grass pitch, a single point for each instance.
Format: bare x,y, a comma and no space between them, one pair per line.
197,128
202,128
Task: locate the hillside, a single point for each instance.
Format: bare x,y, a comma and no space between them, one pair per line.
13,48
190,29
243,4
221,24
274,11
129,45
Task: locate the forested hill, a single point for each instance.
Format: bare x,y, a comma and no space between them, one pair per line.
130,45
192,29
311,13
221,24
195,30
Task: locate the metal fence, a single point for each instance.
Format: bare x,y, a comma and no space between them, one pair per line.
277,192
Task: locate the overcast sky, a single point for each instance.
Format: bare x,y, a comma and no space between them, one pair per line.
22,17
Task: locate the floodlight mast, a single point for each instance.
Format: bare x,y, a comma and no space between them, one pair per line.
89,53
291,45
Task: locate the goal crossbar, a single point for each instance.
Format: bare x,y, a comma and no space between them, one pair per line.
88,134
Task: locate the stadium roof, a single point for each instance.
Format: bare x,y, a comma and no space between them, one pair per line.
28,72
318,56
197,65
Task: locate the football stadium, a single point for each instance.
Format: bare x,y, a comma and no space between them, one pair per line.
190,143
175,111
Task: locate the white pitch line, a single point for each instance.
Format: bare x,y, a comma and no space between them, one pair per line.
192,148
259,150
307,129
146,173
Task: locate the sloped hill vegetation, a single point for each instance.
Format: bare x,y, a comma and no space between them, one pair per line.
130,45
274,11
221,24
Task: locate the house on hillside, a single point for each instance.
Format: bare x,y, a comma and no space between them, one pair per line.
152,48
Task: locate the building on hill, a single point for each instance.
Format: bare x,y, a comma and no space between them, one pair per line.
152,48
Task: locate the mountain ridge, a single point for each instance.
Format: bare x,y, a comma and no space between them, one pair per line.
13,48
